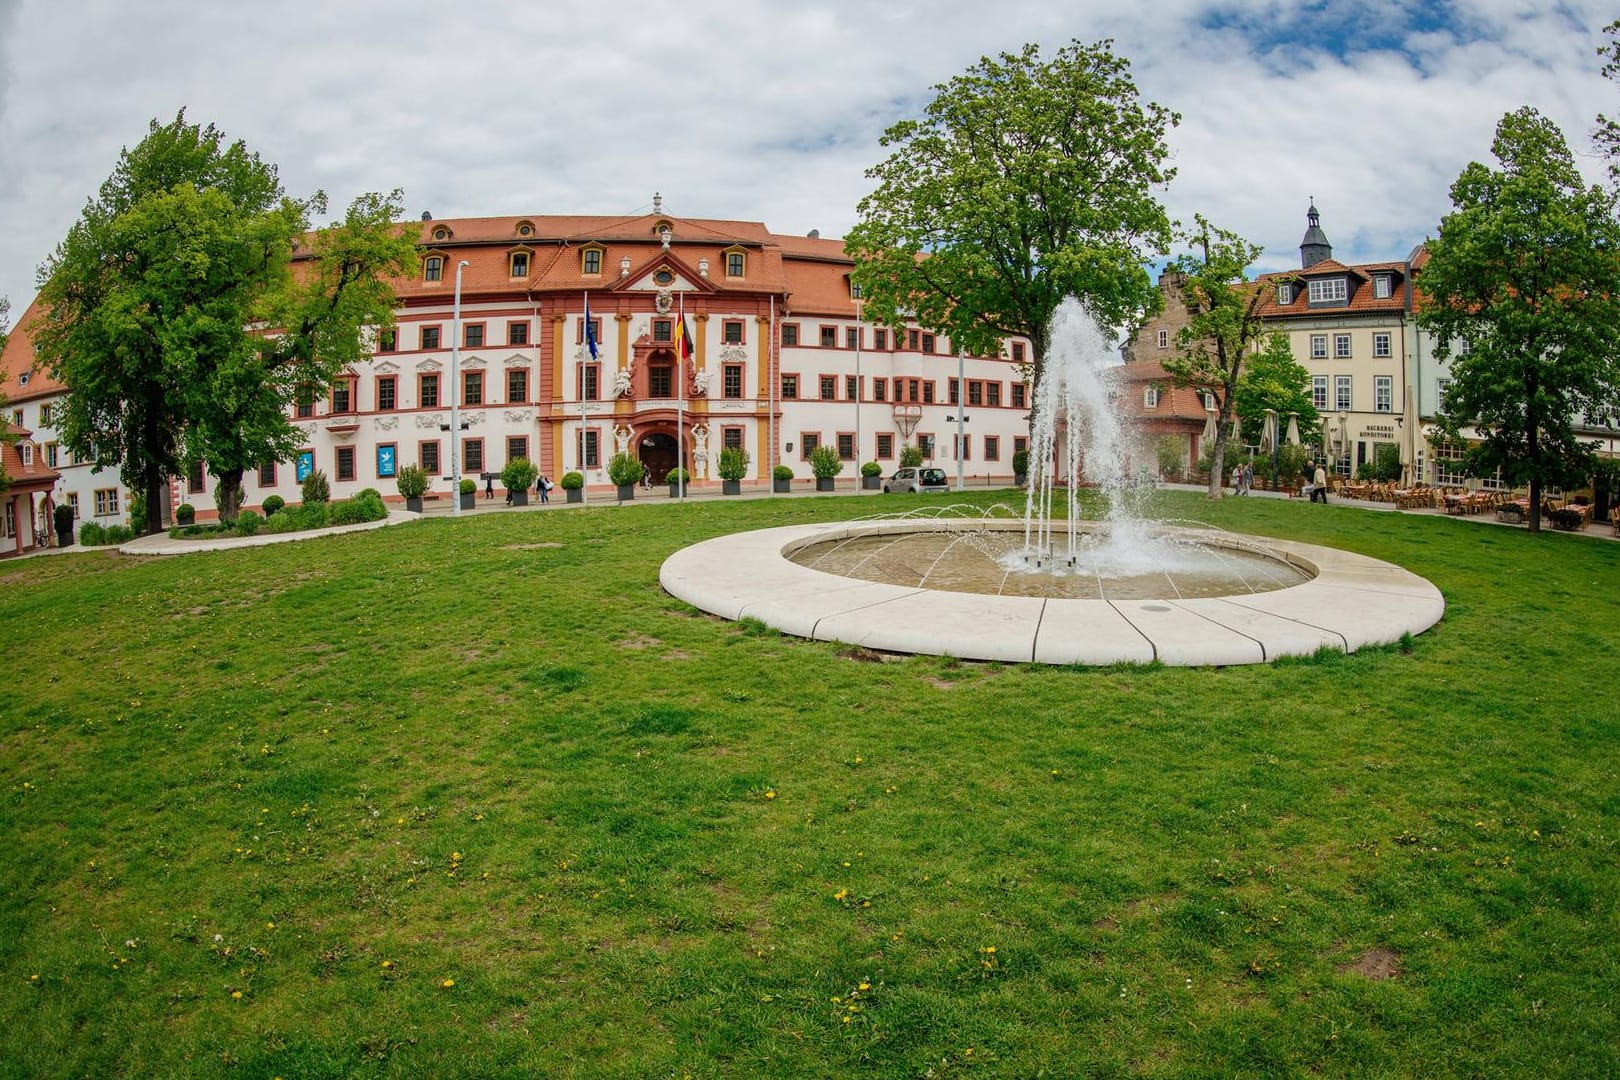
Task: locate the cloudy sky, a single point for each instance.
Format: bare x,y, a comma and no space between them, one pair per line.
770,110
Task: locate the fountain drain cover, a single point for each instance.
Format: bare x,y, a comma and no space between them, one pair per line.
1155,607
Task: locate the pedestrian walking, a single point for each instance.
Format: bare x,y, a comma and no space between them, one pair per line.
489,486
545,488
1248,478
1319,485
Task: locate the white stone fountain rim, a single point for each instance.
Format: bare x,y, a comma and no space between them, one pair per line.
1351,601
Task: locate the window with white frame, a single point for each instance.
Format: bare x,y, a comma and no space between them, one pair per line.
1328,291
1285,293
1381,344
1341,393
1318,346
1150,397
1341,346
1164,339
1382,286
1383,393
1319,387
1440,388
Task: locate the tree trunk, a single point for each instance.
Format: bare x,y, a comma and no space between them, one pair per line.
154,505
228,495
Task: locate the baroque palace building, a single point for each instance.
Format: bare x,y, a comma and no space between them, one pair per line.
780,363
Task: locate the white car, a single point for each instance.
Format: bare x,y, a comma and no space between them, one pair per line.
919,480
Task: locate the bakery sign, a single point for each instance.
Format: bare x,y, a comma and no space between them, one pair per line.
1375,430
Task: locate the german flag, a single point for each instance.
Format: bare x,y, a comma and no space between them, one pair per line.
683,339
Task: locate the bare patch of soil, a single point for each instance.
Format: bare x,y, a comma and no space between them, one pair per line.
532,547
1375,963
640,641
865,655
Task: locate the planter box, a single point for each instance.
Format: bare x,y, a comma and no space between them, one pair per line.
627,492
1019,479
871,483
781,487
519,497
575,494
64,539
470,501
413,504
674,491
825,483
731,487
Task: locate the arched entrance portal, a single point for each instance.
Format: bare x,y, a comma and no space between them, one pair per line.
657,452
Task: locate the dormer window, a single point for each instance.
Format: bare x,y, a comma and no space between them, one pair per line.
520,264
22,380
525,228
441,233
1150,397
1328,291
433,268
591,260
736,263
1285,293
1383,286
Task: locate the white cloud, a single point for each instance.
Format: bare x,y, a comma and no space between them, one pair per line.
770,111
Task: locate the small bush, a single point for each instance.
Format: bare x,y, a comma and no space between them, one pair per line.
185,514
351,512
412,481
316,489
573,481
469,486
272,504
677,475
1020,462
519,474
733,463
825,462
311,516
248,523
370,502
119,534
871,468
624,470
282,521
782,472
910,456
92,534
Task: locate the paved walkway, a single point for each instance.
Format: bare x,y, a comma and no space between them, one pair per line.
161,544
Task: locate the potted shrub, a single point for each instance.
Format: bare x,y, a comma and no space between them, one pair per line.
1020,467
910,456
413,484
824,465
573,485
517,477
63,516
871,476
782,479
469,493
185,514
625,472
733,467
677,479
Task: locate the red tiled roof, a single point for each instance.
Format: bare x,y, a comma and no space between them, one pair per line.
18,360
1361,299
36,476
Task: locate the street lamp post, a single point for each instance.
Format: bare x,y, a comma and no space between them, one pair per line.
455,394
855,294
961,416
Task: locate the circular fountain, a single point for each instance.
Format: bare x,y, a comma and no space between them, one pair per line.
1052,586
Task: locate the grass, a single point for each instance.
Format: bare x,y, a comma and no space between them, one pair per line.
474,797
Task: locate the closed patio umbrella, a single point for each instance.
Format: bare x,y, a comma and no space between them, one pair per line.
1409,435
1268,432
1209,424
1293,429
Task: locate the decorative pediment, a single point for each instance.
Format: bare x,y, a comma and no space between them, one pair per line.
664,271
519,360
476,362
429,366
386,367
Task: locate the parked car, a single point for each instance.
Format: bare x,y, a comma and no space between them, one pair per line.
912,479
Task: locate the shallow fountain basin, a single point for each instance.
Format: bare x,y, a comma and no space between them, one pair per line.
1350,601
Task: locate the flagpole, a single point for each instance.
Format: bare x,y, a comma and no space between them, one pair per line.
585,334
680,398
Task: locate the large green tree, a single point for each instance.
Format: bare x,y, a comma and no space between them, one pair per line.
175,316
1273,379
1522,293
1025,181
1223,308
1607,136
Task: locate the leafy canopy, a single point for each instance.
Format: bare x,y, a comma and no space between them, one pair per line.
173,314
1522,291
1223,308
1025,181
1273,379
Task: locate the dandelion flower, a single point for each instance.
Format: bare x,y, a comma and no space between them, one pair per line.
387,964
865,986
770,794
269,926
448,983
236,995
840,894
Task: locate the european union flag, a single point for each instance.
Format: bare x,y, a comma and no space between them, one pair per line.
590,330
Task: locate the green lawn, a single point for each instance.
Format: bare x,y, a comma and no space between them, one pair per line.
475,798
